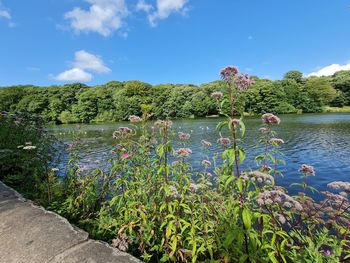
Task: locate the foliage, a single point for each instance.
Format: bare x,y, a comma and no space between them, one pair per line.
26,155
114,101
147,200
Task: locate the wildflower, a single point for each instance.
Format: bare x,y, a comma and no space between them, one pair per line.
276,141
134,118
29,147
262,130
20,146
335,199
243,82
224,141
122,242
327,252
122,132
270,119
258,176
194,187
206,163
183,152
173,192
125,155
340,185
280,198
54,169
206,144
307,169
228,73
183,136
217,95
235,122
28,143
163,124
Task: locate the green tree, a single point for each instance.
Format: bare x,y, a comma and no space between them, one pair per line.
295,75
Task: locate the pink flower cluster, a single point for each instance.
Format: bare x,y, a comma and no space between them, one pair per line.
235,122
122,242
224,141
183,152
257,176
307,169
134,119
269,118
228,73
163,124
243,81
340,185
278,197
122,132
276,141
217,95
183,136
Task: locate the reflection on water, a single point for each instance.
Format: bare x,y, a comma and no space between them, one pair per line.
321,140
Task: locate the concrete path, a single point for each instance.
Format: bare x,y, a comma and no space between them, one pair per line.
30,234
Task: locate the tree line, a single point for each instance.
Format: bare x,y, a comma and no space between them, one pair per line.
116,101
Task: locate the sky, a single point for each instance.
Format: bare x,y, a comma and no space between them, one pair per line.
54,42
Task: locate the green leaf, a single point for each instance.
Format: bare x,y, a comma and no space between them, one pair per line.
242,127
247,221
241,154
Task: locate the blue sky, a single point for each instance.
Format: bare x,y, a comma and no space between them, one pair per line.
49,42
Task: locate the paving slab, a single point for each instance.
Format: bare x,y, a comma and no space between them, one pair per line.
30,234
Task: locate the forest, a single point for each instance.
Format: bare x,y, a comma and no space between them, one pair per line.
116,101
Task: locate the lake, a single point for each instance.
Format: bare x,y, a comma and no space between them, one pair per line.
320,140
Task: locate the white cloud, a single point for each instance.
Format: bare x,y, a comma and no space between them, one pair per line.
103,17
5,14
143,6
85,60
83,64
330,70
164,8
74,74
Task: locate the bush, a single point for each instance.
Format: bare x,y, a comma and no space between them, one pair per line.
26,155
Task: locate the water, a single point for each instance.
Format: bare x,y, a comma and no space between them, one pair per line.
321,140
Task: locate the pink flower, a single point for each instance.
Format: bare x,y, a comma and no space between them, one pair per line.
224,141
243,82
183,152
228,73
183,136
307,169
134,118
122,132
276,141
217,95
269,119
125,156
235,122
163,124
